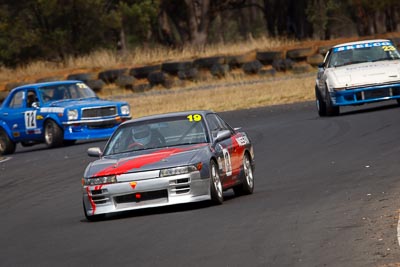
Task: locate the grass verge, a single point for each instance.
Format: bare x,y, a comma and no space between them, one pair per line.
225,95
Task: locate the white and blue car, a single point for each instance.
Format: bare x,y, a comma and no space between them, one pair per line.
357,73
57,113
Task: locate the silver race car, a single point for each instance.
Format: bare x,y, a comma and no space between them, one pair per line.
167,159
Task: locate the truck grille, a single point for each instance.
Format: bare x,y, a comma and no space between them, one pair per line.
99,112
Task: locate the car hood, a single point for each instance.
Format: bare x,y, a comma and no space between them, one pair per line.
77,103
364,74
146,160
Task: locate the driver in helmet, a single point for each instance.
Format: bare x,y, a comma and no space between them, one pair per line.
144,137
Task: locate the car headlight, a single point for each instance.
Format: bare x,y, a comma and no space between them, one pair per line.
125,110
99,180
177,170
72,114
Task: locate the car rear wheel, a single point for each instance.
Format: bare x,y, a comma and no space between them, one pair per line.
247,186
53,134
6,145
215,184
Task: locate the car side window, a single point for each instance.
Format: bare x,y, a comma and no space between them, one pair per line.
224,125
31,98
17,100
216,124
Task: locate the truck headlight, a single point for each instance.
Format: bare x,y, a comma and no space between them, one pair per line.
99,180
125,110
72,114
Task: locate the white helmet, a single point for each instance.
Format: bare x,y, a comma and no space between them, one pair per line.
141,134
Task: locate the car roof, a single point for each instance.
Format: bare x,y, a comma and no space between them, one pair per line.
169,115
362,42
36,85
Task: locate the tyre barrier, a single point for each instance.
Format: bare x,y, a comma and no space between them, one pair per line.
143,72
267,72
174,67
125,81
110,76
235,62
84,77
208,62
252,67
190,74
315,60
267,57
282,64
97,85
159,78
49,79
219,70
300,53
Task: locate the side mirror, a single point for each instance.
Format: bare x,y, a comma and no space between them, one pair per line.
221,135
94,152
321,65
35,104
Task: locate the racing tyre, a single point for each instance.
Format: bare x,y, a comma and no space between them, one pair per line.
215,185
6,145
247,186
321,107
53,135
331,110
92,218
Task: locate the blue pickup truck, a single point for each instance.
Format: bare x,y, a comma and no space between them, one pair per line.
57,113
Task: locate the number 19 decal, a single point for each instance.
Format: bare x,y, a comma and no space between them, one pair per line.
30,119
195,117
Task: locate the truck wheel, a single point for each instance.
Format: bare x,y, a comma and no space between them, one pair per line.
6,145
53,134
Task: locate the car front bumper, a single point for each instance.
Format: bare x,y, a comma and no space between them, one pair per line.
146,193
92,129
365,94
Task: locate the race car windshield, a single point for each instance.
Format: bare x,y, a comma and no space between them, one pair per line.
354,54
158,133
65,92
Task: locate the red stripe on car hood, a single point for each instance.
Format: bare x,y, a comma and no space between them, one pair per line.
125,165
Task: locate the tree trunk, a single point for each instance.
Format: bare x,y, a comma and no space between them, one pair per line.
198,21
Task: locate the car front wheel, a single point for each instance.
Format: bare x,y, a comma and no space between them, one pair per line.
321,106
92,218
53,134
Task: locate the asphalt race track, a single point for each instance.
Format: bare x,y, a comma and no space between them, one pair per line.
327,194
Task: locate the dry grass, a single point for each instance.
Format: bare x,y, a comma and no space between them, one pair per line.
226,96
103,59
